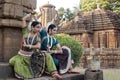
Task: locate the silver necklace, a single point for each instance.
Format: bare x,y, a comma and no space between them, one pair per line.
28,38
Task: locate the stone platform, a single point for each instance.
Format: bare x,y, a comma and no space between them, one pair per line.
6,73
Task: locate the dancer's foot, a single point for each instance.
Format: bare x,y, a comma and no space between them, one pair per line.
57,76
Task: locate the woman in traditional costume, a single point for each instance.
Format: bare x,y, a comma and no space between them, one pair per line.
61,56
21,61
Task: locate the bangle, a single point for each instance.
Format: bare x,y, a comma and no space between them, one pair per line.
55,52
28,15
30,46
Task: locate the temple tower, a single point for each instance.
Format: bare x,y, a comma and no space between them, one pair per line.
48,14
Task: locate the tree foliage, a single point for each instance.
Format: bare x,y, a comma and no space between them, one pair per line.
61,12
65,14
75,46
68,14
112,5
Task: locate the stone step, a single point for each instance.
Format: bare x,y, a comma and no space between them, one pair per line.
7,73
65,77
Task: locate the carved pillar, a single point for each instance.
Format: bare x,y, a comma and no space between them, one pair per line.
102,39
11,13
96,39
112,42
84,40
1,44
118,39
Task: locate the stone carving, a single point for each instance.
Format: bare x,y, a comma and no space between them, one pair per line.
11,13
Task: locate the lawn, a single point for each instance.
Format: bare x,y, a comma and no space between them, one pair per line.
109,74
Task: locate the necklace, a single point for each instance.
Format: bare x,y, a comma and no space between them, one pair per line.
49,42
28,38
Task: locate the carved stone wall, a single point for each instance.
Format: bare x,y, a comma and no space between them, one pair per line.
102,29
97,29
109,58
11,13
33,3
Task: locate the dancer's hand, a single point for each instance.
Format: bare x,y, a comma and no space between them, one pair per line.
28,46
33,12
48,50
41,9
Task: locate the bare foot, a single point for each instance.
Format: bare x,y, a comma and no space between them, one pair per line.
57,76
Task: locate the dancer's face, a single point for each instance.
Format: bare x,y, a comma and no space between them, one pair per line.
37,28
54,31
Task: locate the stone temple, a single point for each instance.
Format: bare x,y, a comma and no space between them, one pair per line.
98,29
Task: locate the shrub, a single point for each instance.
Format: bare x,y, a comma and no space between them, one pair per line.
75,46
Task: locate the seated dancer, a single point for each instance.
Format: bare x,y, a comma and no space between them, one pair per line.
23,62
61,56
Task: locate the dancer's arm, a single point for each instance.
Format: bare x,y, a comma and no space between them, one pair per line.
24,24
58,51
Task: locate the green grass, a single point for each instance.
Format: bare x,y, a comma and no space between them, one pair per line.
108,74
111,74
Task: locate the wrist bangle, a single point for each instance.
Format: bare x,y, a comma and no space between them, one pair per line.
30,46
55,51
28,15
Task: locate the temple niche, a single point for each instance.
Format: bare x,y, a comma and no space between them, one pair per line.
11,13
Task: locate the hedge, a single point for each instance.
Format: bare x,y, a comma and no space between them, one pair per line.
74,45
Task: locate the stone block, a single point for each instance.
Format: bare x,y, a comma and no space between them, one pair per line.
33,3
15,23
26,10
11,42
1,45
8,74
6,71
26,3
18,11
12,10
10,23
0,6
18,2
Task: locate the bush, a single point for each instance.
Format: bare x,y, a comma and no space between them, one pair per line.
75,46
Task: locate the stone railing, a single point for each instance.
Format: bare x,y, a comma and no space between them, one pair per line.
102,50
109,57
